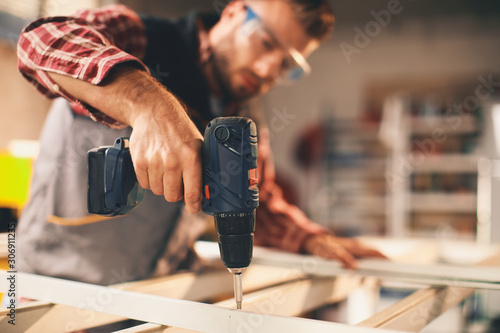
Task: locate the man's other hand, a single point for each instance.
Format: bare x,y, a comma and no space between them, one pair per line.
342,249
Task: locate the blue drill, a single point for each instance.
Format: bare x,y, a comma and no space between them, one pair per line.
230,193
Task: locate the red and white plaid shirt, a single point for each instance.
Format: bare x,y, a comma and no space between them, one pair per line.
87,46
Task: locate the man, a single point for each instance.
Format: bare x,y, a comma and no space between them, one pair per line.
98,61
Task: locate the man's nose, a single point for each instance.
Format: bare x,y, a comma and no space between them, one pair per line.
268,66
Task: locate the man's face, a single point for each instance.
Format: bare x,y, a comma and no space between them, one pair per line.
246,65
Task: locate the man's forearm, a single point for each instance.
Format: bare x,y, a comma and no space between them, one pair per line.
113,82
122,95
164,145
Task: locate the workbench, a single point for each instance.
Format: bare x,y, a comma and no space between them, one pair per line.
278,288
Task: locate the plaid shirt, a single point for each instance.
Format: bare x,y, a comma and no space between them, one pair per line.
87,46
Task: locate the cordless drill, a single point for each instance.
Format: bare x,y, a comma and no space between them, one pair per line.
229,156
230,193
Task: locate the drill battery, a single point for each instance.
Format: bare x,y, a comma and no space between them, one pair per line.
112,188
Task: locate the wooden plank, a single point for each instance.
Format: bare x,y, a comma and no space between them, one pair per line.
289,299
436,274
189,286
145,328
166,311
297,297
47,318
25,307
417,310
25,315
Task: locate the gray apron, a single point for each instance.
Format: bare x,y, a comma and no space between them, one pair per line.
106,252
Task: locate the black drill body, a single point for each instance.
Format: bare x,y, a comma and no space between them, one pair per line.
230,194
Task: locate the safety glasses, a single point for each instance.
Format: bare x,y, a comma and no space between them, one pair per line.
263,41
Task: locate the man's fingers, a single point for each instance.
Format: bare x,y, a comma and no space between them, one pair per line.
173,176
346,259
330,250
192,178
165,146
172,185
367,252
155,181
375,253
360,250
140,166
142,177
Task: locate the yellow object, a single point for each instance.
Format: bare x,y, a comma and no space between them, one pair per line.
4,264
15,175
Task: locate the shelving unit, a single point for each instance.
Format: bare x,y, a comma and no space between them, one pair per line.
353,168
443,203
408,166
432,187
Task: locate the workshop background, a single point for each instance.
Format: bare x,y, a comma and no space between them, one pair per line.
393,133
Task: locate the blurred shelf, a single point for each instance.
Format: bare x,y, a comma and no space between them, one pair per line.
356,135
374,204
439,125
357,212
344,126
354,173
432,234
353,167
443,202
436,146
362,167
358,183
448,163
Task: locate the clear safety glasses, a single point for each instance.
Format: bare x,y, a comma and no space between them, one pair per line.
293,65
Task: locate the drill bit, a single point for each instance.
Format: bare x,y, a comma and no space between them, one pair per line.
238,288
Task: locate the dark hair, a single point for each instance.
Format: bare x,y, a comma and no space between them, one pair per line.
316,16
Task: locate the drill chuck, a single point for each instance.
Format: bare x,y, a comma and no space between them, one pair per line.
235,237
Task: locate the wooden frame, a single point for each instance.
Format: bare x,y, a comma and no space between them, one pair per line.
272,295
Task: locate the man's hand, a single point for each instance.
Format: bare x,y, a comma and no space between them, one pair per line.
166,150
343,249
165,145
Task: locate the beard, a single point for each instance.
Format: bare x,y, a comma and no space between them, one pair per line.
221,60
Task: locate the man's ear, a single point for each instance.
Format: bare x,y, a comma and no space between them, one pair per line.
232,8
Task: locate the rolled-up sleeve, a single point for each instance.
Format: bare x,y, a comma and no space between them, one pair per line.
85,46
